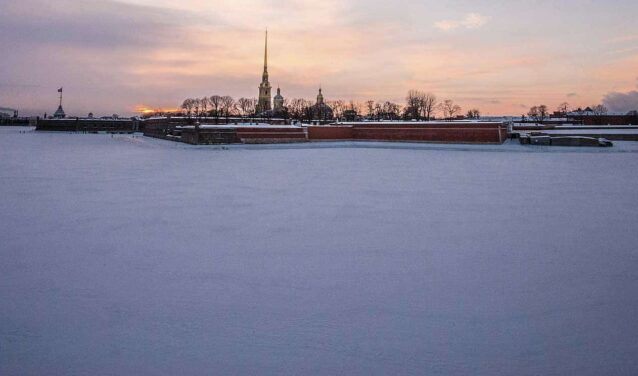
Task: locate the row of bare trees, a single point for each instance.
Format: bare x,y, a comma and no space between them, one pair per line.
422,105
219,106
419,105
541,113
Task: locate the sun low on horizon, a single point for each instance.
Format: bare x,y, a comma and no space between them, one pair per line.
132,56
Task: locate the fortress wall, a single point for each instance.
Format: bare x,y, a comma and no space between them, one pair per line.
330,133
166,128
452,135
271,135
431,132
214,136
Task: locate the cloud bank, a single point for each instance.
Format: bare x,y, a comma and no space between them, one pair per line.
621,102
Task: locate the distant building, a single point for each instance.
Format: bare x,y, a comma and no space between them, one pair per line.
59,113
5,112
278,101
320,110
351,115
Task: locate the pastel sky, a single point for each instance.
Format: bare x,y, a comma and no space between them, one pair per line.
499,56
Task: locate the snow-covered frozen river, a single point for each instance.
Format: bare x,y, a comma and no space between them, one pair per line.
124,255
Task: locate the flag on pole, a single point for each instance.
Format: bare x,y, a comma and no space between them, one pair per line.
59,90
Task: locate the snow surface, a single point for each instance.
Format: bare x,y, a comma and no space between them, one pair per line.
126,255
592,131
415,122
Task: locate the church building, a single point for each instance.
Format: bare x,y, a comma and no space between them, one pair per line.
278,102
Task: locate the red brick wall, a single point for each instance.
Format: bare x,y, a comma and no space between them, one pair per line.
453,133
431,132
271,135
330,133
429,135
448,132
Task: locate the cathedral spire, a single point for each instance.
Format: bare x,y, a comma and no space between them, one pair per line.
266,54
264,104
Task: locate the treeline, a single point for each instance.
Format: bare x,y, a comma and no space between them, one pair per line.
541,113
218,106
419,105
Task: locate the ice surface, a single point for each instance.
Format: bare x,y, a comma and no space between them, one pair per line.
593,131
124,255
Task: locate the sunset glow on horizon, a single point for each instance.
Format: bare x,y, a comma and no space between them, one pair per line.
501,58
147,110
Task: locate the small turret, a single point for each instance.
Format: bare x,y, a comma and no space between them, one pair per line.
278,101
320,97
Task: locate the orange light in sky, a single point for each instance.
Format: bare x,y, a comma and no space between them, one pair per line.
145,110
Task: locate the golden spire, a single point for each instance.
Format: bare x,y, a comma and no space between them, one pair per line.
266,53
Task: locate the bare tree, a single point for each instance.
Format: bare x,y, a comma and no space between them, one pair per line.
370,109
246,106
473,114
413,104
598,114
197,103
307,110
538,113
352,111
599,109
378,111
543,113
187,106
450,109
420,105
533,113
294,108
300,109
215,102
357,107
203,103
563,108
338,107
389,111
227,106
429,104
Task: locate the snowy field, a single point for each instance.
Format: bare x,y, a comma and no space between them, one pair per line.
124,255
